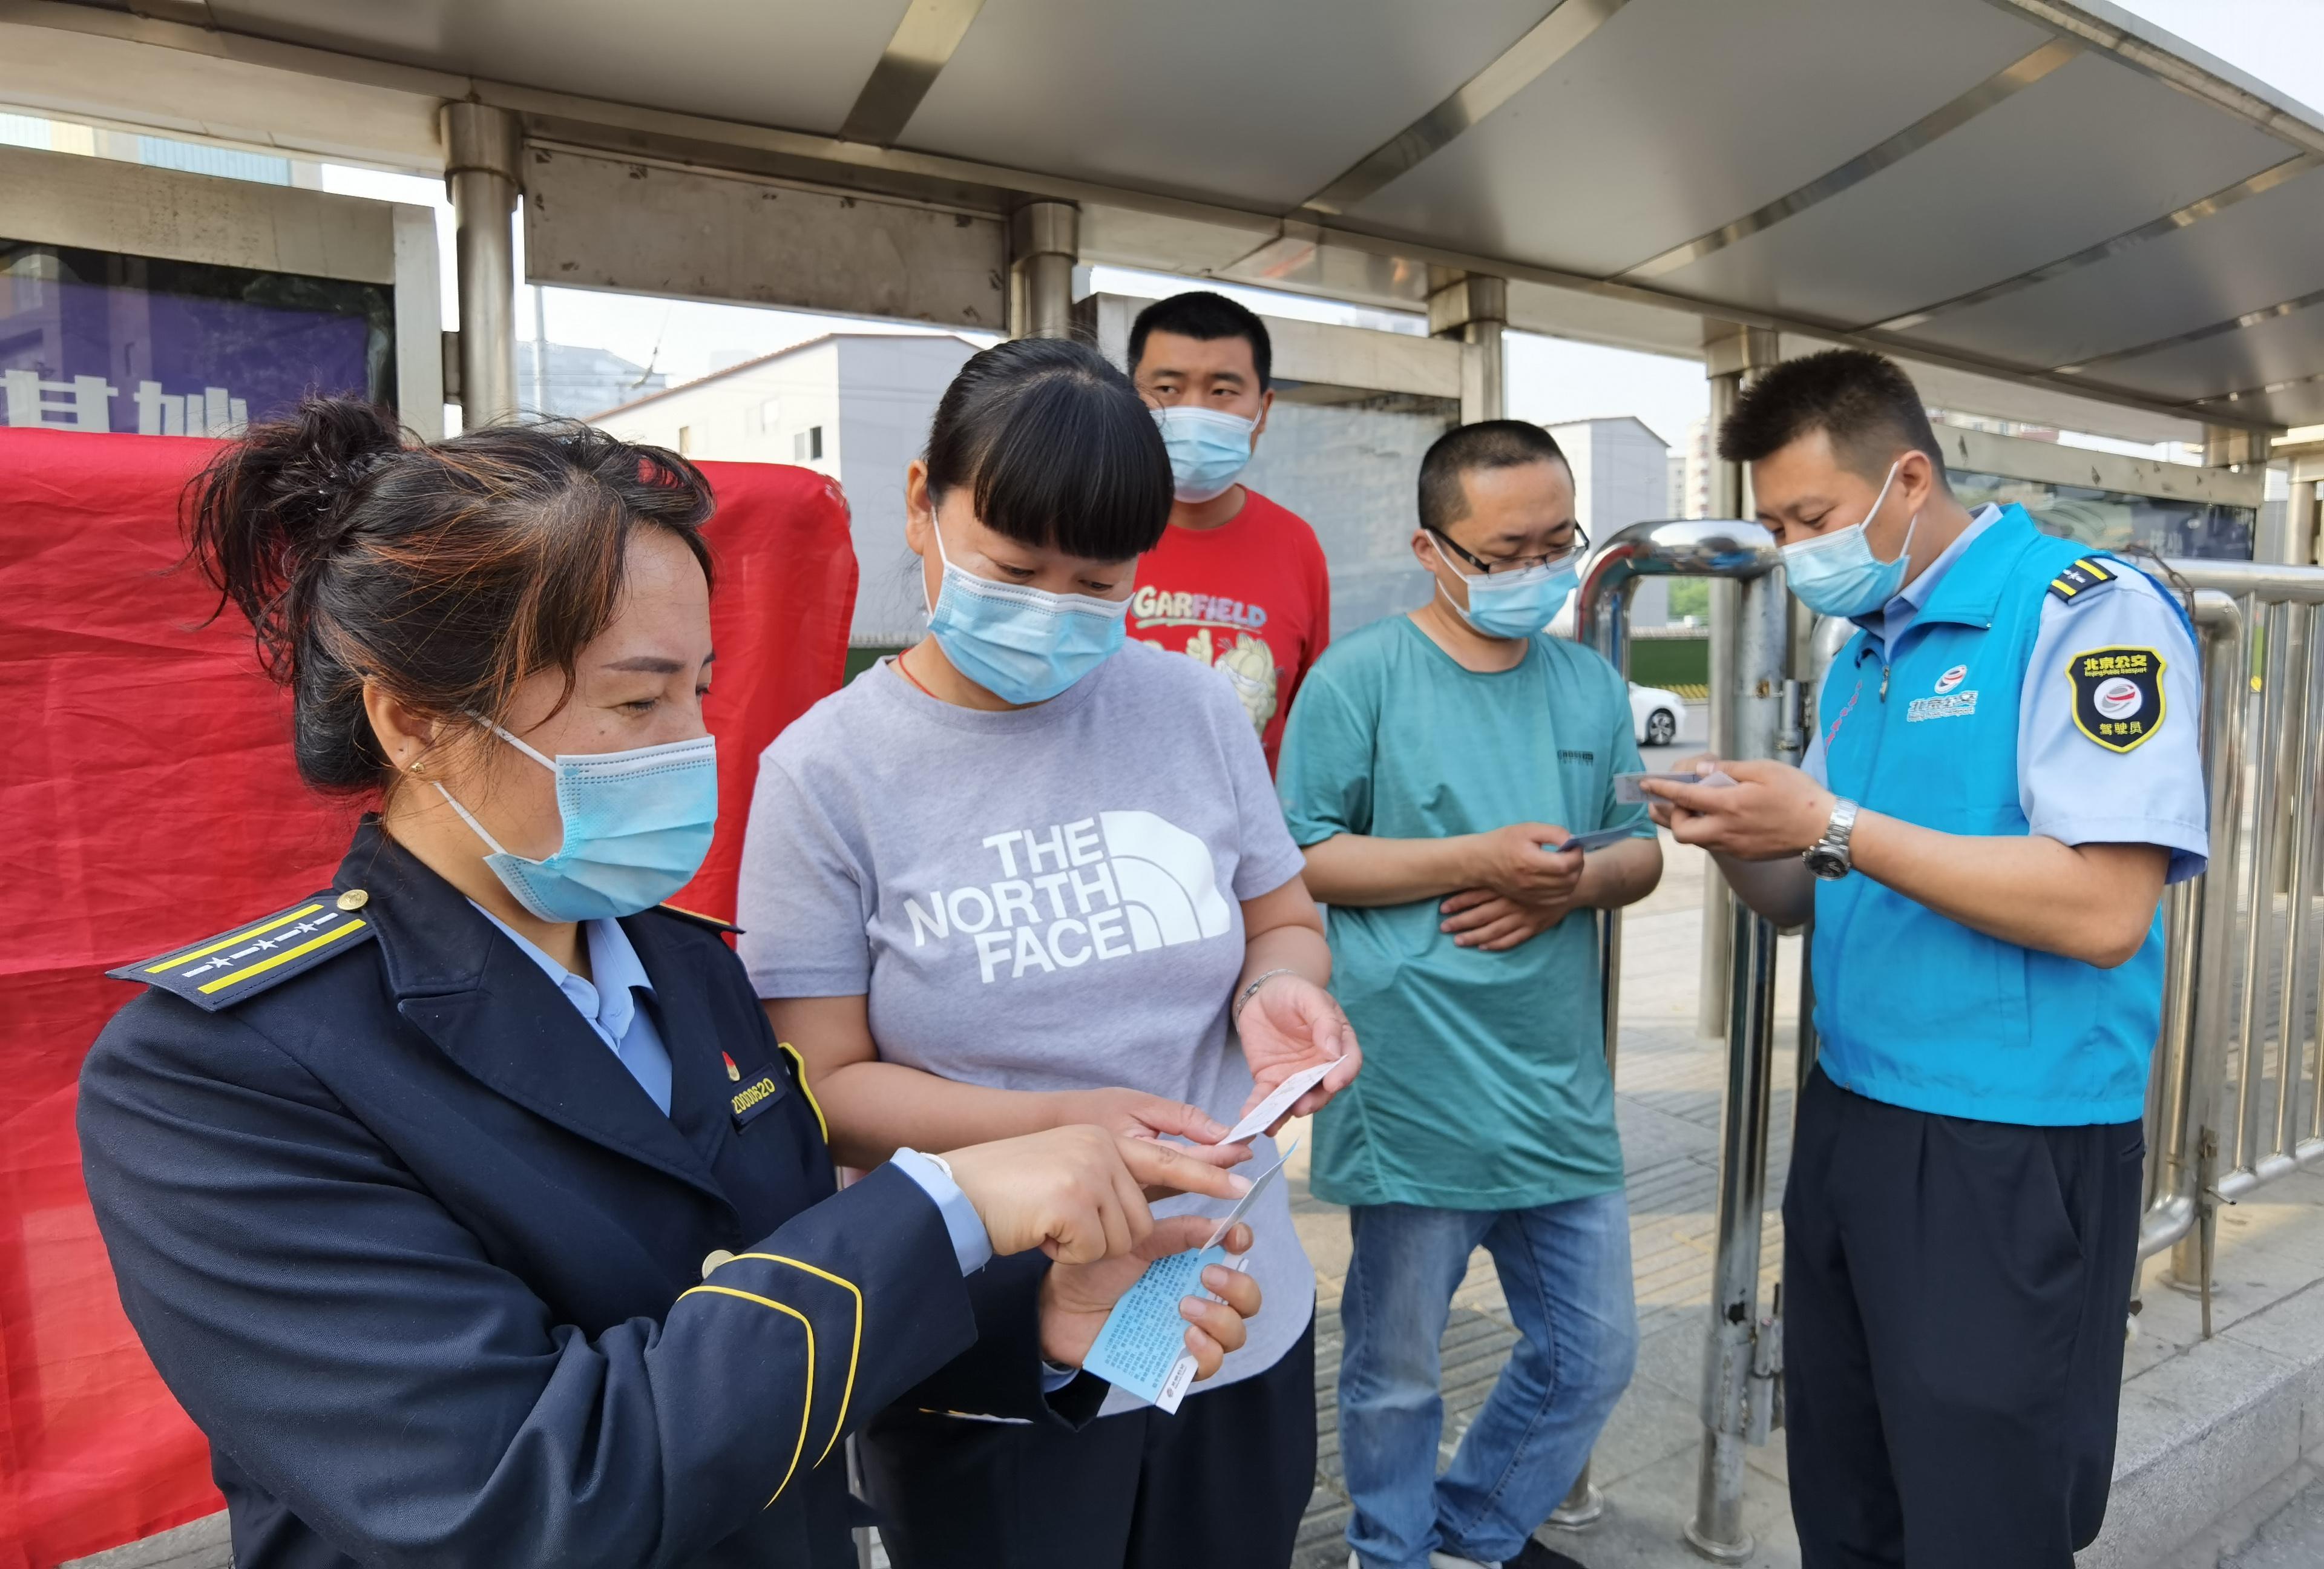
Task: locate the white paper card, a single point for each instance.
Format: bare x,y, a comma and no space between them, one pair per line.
1242,1205
1260,1118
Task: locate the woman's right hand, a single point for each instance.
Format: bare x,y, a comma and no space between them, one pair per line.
1144,1116
1078,1194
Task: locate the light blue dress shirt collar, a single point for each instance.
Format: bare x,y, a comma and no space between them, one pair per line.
608,1002
1897,615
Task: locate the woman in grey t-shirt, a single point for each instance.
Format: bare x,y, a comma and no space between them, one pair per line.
1025,875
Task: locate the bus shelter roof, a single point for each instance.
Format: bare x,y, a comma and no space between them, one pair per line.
2053,195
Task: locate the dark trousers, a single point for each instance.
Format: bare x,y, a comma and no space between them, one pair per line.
1221,1484
1954,1300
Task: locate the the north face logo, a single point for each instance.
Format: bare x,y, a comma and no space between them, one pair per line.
1103,887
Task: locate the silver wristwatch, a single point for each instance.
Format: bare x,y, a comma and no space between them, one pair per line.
1828,857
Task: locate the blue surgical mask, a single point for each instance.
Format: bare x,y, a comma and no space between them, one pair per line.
636,824
1021,643
1512,604
1208,447
1837,574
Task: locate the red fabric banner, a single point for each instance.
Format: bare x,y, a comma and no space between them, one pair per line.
148,799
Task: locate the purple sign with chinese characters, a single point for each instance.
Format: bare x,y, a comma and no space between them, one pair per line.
91,340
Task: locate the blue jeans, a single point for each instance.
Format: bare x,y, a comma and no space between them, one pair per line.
1565,1273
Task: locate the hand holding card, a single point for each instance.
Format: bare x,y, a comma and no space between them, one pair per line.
1626,790
1289,1026
1265,1114
1596,839
1142,1347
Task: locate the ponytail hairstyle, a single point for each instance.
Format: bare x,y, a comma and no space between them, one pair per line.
446,573
1055,447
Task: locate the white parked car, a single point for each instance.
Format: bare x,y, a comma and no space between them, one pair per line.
1654,713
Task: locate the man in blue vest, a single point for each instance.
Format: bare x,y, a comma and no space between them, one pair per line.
2003,776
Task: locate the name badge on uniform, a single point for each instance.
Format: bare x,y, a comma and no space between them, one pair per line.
753,1099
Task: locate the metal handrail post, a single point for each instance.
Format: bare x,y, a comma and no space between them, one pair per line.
1743,1361
2188,1217
2295,740
2258,875
2224,1176
1827,635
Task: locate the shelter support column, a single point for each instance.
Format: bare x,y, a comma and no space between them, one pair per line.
2301,516
1731,357
1475,309
484,148
1044,244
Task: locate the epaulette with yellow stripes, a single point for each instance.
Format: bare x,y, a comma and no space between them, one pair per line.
220,972
2080,578
725,928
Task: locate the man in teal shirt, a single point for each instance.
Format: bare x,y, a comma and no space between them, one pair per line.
1433,764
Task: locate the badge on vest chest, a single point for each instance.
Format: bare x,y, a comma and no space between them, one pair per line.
2117,695
1948,703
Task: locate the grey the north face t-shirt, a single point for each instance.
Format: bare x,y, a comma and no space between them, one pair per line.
1045,899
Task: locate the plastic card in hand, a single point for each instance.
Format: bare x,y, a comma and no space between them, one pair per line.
1263,1116
1597,839
1626,790
1142,1348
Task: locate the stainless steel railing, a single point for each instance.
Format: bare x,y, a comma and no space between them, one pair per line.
1743,1361
2235,1102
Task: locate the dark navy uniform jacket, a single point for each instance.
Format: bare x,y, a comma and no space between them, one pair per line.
427,1265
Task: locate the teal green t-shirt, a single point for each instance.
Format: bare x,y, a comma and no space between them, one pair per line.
1484,1083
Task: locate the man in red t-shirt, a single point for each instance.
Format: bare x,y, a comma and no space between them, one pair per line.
1238,582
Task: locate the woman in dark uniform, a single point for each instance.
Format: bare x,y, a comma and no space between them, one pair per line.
469,1204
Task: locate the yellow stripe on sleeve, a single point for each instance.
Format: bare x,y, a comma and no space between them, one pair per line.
847,1393
799,1063
176,959
284,957
807,1404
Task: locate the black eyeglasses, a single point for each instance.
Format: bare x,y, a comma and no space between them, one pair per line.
1573,546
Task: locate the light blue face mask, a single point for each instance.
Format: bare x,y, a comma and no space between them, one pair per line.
636,824
1021,643
1837,574
1208,447
1512,604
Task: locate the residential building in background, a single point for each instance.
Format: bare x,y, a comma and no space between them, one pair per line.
852,405
1621,476
1691,462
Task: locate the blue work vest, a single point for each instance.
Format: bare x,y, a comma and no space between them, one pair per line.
1918,1010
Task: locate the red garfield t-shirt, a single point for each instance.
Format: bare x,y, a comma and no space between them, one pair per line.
1252,599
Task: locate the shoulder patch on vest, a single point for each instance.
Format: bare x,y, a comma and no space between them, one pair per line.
220,972
2117,696
710,922
2080,578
